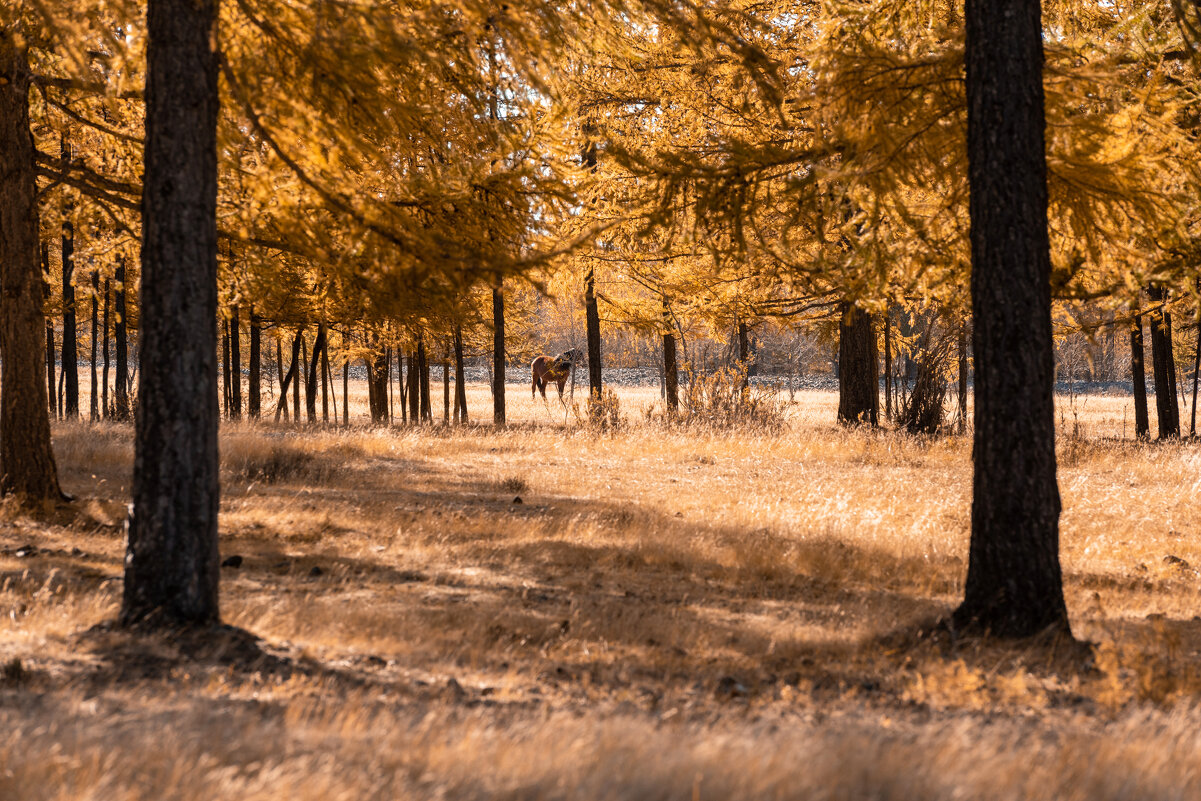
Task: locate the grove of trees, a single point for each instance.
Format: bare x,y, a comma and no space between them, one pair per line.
398,186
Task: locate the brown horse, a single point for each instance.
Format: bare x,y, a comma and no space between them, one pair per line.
545,369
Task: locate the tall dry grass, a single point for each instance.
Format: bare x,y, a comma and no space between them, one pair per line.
670,612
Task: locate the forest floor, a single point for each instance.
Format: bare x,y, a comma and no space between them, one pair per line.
665,614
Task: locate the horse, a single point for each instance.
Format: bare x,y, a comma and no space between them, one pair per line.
545,369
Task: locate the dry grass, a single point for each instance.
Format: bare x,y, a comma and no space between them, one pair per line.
668,613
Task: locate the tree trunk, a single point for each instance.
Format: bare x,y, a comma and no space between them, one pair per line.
105,408
1163,362
414,388
226,391
282,405
1192,426
70,350
50,355
460,379
744,354
423,375
26,459
887,363
402,378
346,393
172,563
296,370
327,379
1014,584
498,356
94,399
671,373
592,316
446,392
858,382
121,342
310,391
291,379
235,360
1138,375
963,368
255,399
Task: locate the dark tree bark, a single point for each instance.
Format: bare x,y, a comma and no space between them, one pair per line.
887,363
378,375
1192,426
744,354
226,391
290,379
460,379
402,378
1014,584
346,394
27,466
498,356
858,381
255,399
1138,375
297,369
963,368
413,391
50,356
671,370
310,392
1163,360
282,406
327,379
172,562
94,400
446,391
423,375
70,349
592,319
235,361
121,344
105,408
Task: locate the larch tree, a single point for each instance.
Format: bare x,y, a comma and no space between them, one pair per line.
27,465
1014,585
172,564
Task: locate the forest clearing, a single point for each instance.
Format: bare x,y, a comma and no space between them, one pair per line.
668,613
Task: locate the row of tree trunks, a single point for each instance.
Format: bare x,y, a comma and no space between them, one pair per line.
27,467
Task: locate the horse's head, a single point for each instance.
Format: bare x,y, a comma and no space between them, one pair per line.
572,356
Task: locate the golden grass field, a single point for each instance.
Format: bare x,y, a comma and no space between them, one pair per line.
667,614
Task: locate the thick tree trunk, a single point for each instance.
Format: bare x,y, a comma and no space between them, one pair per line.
1138,375
70,349
50,355
378,375
172,562
297,371
255,400
592,319
1163,362
121,343
1014,584
26,459
460,379
346,393
235,361
858,381
498,356
105,408
671,373
744,354
94,400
